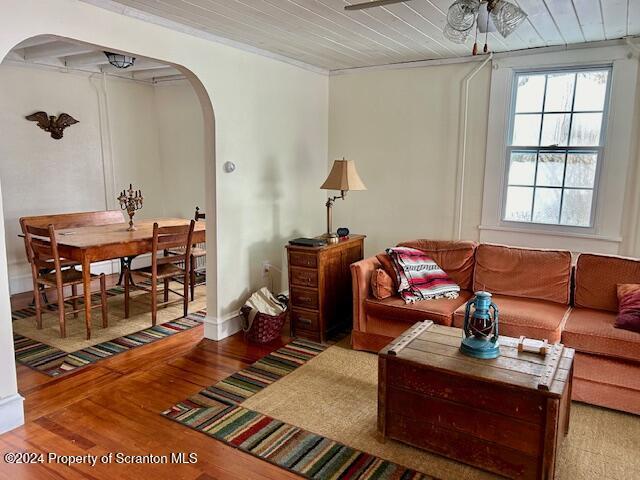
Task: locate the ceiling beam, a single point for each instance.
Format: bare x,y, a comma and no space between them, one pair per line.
155,73
85,59
35,41
140,64
55,50
169,78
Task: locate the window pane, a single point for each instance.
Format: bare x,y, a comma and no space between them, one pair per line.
522,168
530,93
555,129
518,207
581,169
550,170
585,129
591,90
576,207
526,129
559,92
547,205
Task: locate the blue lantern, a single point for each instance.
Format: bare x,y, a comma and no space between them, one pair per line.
480,330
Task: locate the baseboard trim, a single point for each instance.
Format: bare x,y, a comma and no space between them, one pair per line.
220,328
11,412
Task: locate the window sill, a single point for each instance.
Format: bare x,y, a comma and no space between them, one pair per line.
553,233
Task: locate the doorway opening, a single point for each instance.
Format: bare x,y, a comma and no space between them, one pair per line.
149,126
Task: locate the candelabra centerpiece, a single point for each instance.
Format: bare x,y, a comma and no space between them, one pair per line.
130,200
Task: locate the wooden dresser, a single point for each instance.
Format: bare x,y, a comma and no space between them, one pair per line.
320,287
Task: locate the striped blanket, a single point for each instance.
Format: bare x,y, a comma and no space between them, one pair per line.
419,277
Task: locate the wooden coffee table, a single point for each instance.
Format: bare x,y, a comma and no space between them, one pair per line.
507,415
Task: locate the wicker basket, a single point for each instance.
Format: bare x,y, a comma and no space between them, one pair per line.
264,328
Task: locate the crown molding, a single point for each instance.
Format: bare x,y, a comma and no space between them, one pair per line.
624,42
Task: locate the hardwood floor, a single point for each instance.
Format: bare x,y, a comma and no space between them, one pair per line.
114,405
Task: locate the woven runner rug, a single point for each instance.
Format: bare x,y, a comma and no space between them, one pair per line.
45,352
217,412
54,362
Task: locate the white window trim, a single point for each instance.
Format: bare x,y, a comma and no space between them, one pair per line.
614,165
601,149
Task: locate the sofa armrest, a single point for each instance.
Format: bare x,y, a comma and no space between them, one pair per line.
360,280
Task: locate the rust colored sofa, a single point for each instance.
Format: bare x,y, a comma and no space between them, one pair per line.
377,322
607,361
531,288
533,291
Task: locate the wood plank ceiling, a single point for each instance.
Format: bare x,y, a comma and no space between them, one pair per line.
322,34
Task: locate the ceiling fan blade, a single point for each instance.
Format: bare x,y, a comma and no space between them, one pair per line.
375,3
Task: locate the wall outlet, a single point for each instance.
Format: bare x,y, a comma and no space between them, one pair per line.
266,268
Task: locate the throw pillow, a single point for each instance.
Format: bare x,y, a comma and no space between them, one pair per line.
387,266
628,307
381,284
420,277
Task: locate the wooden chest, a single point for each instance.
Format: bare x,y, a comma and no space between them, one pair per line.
320,287
507,415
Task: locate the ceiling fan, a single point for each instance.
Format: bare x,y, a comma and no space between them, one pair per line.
486,15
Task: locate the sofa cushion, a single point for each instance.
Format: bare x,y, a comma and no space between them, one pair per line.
439,310
381,284
525,316
523,272
593,331
597,278
456,258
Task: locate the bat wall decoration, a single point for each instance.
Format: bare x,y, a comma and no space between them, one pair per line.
52,124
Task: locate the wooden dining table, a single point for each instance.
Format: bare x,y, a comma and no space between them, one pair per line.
89,244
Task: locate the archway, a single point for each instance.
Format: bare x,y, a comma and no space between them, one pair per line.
8,385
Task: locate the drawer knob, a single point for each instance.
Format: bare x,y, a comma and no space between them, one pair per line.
304,320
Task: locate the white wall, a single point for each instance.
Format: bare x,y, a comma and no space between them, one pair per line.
401,128
128,132
178,117
270,119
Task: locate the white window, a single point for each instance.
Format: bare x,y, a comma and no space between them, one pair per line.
555,145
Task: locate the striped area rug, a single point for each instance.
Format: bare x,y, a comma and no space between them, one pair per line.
54,362
217,411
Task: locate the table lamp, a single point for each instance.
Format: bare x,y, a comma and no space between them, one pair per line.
344,177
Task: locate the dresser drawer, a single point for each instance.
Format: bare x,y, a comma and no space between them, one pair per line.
304,320
299,259
304,297
304,277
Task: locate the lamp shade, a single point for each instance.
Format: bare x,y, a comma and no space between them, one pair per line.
343,176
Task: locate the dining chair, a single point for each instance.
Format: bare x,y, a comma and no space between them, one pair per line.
198,252
51,271
164,268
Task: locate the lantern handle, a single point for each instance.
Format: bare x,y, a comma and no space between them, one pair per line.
495,322
467,312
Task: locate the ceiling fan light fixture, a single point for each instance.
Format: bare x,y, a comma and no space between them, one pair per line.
506,17
462,14
120,60
455,36
485,21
